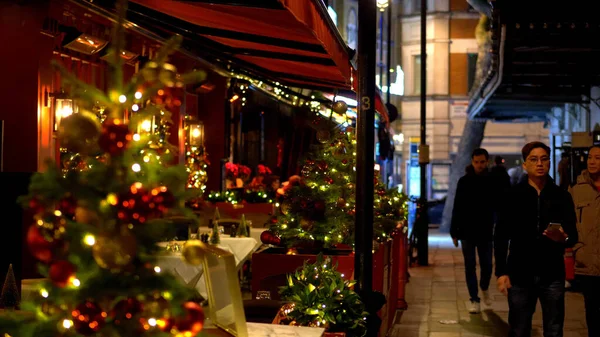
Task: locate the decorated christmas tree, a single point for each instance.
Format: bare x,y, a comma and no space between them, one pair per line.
96,230
319,209
10,298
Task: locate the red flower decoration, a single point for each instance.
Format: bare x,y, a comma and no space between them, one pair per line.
231,170
244,171
263,170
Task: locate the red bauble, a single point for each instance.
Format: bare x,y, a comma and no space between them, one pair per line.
193,321
381,192
269,238
61,272
136,206
36,205
329,180
344,162
319,205
67,206
88,318
162,198
125,310
323,165
41,248
115,137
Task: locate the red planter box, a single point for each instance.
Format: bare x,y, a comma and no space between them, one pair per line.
269,270
269,273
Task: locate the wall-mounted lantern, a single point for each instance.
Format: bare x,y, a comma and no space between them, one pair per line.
63,107
196,133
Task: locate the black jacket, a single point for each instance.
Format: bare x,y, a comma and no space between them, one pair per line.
522,219
473,212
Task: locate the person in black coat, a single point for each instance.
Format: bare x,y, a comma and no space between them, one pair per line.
534,268
473,224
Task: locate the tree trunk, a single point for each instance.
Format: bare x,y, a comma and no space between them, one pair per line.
470,140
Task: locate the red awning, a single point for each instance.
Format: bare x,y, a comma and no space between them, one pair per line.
293,41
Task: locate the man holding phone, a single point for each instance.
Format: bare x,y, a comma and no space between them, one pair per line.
538,220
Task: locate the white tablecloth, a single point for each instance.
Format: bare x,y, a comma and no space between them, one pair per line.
172,262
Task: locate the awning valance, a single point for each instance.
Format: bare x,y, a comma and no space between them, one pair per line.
292,41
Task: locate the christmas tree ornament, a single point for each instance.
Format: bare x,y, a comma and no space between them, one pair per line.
193,252
114,252
319,206
88,318
350,130
115,137
323,136
125,310
79,132
36,206
341,202
61,273
344,162
158,307
340,150
306,225
269,238
67,206
41,246
322,165
285,207
86,216
306,172
193,320
340,107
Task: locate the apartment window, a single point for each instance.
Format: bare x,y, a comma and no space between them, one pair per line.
416,6
416,74
471,70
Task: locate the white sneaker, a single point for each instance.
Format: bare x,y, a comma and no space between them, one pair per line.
475,308
487,300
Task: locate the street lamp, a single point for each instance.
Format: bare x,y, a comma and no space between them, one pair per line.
382,5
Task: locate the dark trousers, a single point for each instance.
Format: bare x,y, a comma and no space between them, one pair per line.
522,300
484,250
590,286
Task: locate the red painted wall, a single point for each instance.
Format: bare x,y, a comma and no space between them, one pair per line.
20,26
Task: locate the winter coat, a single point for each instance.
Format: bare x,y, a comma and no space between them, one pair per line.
587,208
473,212
522,220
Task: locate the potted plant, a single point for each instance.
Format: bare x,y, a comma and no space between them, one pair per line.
231,174
319,296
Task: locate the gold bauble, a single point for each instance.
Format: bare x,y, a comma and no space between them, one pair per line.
79,133
86,216
340,107
193,252
285,207
323,136
306,224
114,252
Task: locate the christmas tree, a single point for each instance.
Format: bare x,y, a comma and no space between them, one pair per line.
10,298
320,208
96,230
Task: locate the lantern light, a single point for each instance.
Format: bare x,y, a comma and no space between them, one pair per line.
63,107
196,134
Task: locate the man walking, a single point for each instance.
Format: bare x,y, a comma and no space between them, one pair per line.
473,224
538,220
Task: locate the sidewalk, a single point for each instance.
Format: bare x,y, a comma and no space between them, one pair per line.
437,302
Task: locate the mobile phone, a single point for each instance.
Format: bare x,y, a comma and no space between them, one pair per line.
553,226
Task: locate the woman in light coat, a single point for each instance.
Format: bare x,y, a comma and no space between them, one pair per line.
586,196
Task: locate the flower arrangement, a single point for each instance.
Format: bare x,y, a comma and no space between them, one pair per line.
244,172
320,297
231,171
264,170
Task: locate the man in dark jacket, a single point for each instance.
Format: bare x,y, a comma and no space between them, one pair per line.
500,174
535,266
473,224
